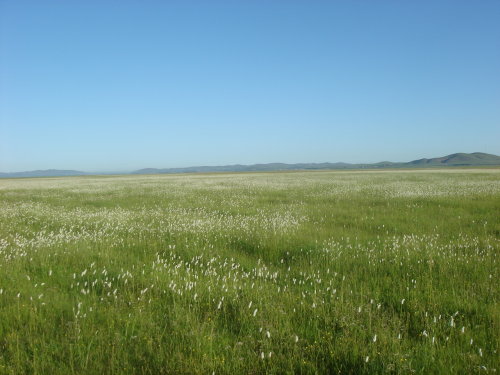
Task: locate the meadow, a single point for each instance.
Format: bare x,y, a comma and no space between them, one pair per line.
331,272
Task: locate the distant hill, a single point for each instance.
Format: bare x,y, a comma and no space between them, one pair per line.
44,173
246,168
459,159
474,159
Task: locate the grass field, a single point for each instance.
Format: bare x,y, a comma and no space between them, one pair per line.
299,272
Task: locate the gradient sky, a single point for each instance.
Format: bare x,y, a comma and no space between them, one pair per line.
122,85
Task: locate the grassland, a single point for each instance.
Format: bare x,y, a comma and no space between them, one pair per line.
303,272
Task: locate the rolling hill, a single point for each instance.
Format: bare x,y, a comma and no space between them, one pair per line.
459,159
453,160
475,159
43,173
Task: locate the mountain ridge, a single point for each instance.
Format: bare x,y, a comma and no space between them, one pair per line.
452,160
43,173
457,159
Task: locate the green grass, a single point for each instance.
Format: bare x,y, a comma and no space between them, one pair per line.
299,272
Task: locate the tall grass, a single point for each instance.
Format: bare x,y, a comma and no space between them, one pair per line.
310,272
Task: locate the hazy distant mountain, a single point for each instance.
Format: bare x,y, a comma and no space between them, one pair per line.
44,173
460,159
246,168
476,158
453,160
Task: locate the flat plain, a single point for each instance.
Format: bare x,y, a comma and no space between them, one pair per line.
298,272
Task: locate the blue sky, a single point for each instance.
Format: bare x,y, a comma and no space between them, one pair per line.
122,85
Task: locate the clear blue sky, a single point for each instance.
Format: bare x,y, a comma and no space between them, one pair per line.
121,85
